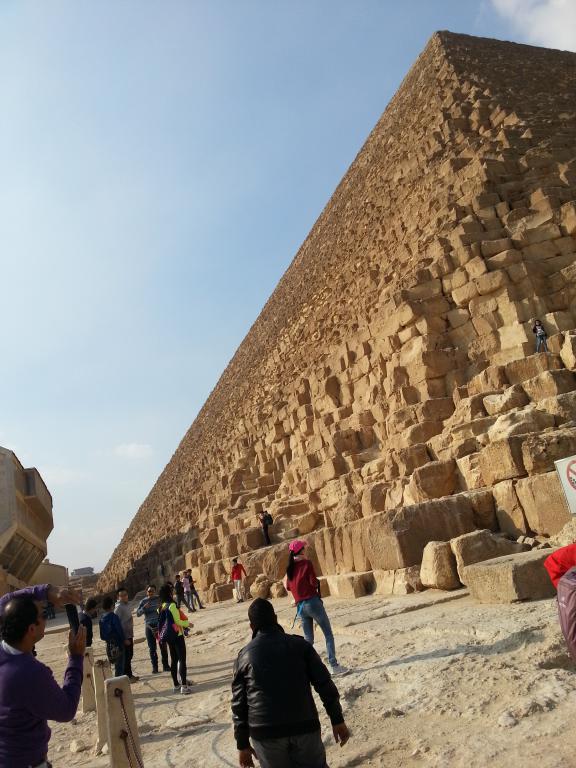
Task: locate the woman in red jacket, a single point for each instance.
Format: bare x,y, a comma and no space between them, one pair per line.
302,581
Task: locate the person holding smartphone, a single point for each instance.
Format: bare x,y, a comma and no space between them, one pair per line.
29,694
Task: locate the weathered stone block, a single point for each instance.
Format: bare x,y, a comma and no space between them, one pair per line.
543,502
512,398
502,460
518,371
438,569
509,511
540,451
477,546
433,480
347,585
510,578
549,384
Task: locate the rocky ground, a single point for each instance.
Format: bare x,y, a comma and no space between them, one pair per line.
437,680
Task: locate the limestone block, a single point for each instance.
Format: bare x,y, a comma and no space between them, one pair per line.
568,218
329,470
480,545
409,458
568,351
483,507
374,498
261,586
543,502
492,247
462,296
540,451
562,407
566,536
491,379
384,582
357,543
529,367
277,589
509,511
347,585
469,471
407,581
513,397
475,267
433,480
250,538
520,422
510,578
549,384
307,523
396,538
438,569
491,281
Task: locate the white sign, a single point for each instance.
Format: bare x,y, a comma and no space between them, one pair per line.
566,469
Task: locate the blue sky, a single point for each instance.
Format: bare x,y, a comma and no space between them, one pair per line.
160,164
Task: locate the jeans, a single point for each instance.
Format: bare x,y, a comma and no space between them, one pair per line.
541,342
180,598
191,595
303,751
238,589
178,659
311,611
151,640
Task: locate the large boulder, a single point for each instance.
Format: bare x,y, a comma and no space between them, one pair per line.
261,586
511,398
432,481
540,451
543,502
510,577
520,422
566,536
480,545
438,569
509,512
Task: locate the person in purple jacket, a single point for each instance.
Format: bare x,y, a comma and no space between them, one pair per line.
29,694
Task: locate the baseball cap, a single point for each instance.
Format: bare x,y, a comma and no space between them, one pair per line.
296,546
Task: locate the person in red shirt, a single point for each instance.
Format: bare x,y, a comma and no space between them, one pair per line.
302,582
238,573
560,562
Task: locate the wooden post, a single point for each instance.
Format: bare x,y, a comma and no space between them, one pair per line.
88,695
123,738
101,674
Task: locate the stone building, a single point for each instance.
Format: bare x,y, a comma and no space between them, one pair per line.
51,573
389,394
25,522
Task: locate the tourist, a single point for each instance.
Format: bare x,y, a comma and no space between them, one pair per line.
265,521
541,336
302,582
192,592
29,694
171,628
179,592
124,613
86,617
149,607
272,702
187,592
113,635
560,562
237,574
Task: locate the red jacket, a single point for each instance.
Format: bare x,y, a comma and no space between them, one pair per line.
237,571
560,562
304,582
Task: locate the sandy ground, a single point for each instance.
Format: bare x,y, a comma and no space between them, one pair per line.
436,680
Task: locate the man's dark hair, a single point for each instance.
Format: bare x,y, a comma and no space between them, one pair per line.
234,559
151,586
19,613
91,603
261,614
121,589
107,603
177,575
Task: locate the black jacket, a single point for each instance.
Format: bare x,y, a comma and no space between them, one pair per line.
271,694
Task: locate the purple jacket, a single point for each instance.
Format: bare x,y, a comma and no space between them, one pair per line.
29,697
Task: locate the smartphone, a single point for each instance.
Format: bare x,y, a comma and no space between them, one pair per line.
72,614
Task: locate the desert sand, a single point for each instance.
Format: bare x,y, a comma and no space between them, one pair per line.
436,679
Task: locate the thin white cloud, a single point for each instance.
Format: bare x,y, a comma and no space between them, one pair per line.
551,23
56,477
133,450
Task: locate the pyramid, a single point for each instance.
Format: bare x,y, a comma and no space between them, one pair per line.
389,393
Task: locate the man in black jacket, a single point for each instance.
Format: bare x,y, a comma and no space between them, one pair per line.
272,703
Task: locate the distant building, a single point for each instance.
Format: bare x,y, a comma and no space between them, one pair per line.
82,572
51,573
25,522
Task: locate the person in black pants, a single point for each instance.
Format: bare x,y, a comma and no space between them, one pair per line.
149,607
265,521
86,616
176,645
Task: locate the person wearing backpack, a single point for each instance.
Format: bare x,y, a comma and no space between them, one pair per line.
265,521
113,635
171,626
302,582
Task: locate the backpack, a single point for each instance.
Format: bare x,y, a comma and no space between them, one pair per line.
107,632
567,609
166,631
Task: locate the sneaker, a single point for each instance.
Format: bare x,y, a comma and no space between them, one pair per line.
185,689
134,678
338,670
176,689
155,671
201,607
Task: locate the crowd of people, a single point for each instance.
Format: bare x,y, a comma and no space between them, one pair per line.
274,714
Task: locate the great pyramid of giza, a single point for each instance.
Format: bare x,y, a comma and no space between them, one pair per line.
389,393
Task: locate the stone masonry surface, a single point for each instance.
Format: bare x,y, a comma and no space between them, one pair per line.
389,394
